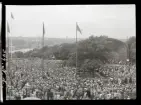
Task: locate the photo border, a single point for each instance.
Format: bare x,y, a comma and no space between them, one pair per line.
3,34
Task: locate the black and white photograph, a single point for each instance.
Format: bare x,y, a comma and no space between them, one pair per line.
70,52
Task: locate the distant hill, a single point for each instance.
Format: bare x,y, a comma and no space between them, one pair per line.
117,47
35,42
123,40
25,43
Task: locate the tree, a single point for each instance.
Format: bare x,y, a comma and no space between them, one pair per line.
90,66
131,45
19,54
93,48
62,52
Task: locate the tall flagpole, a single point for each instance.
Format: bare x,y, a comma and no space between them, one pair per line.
8,52
8,48
11,40
8,59
127,49
76,47
12,17
42,48
8,41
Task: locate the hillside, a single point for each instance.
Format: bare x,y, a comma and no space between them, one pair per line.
35,42
116,47
21,43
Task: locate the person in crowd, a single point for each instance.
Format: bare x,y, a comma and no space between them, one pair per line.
62,84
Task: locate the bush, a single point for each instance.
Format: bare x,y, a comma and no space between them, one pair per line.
91,65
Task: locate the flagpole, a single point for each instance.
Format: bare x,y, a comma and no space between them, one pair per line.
42,48
11,48
76,47
8,48
8,54
12,17
8,51
11,40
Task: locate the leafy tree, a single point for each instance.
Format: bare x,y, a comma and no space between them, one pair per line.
90,66
93,48
62,52
19,54
131,44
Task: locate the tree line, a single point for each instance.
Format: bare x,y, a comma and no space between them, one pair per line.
92,52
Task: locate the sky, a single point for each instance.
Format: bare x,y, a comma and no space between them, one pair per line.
0,14
115,21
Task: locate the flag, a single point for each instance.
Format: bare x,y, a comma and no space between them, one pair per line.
12,16
78,29
8,28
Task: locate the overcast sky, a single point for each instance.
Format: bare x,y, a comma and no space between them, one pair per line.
0,13
116,21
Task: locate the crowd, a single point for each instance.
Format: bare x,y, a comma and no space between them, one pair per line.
27,79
